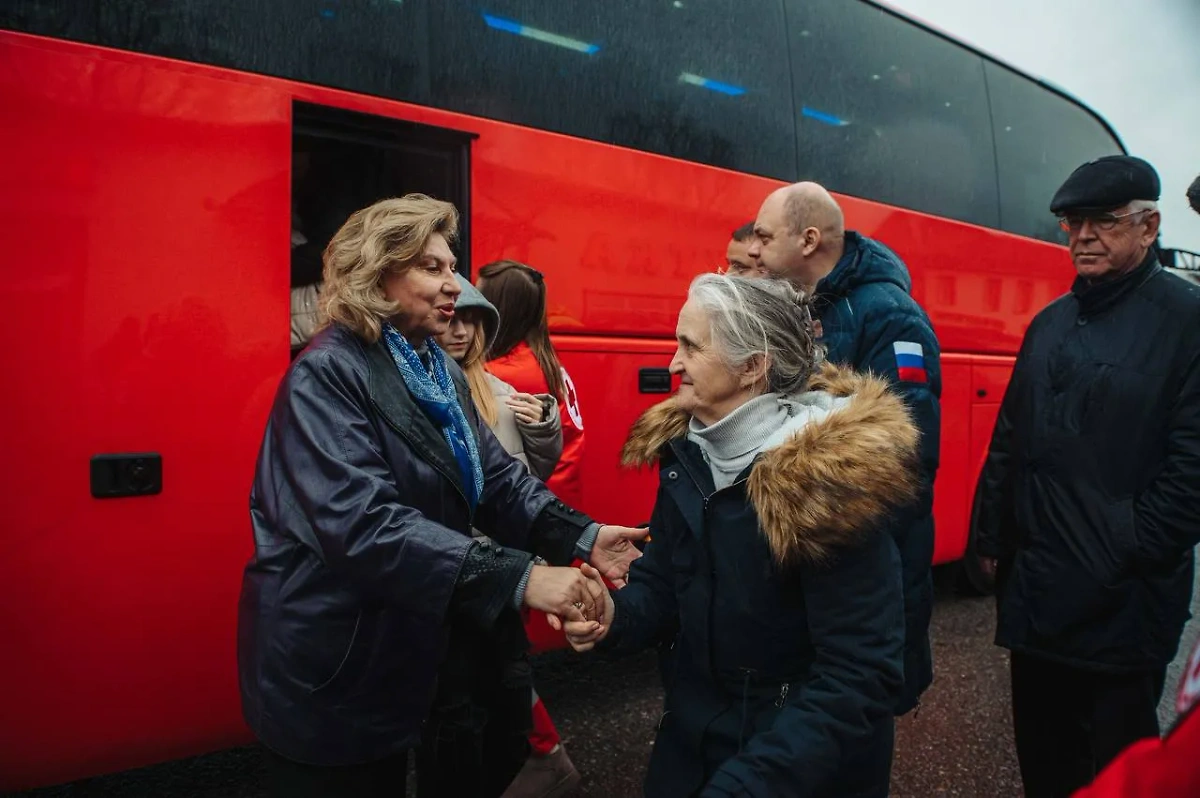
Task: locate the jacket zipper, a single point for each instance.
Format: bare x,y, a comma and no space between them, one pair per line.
712,665
783,688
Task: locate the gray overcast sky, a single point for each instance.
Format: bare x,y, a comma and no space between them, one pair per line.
1136,62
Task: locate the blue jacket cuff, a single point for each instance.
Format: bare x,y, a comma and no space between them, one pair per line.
586,542
519,593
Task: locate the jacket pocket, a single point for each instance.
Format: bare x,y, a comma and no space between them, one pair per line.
1123,536
345,658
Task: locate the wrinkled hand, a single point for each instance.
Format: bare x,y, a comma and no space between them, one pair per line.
566,593
527,408
584,634
614,551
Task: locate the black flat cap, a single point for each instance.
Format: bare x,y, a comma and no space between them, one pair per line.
1107,183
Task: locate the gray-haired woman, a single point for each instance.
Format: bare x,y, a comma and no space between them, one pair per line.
769,566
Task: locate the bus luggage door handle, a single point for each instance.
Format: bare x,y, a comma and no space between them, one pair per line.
654,380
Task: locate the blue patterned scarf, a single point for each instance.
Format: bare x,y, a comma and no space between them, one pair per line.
436,395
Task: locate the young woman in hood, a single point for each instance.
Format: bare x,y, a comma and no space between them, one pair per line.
527,425
529,428
770,571
523,356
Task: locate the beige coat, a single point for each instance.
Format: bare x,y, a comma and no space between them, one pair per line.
539,445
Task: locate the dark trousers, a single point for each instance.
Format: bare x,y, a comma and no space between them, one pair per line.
383,779
476,737
1070,723
469,752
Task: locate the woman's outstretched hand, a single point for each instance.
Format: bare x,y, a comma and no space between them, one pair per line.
565,592
614,551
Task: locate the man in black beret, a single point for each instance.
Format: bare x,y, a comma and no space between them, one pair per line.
1089,503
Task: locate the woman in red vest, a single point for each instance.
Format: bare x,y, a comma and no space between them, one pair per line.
523,356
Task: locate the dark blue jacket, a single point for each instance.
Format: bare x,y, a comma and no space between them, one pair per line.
782,595
867,315
361,531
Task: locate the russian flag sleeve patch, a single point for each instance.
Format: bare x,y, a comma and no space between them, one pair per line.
910,361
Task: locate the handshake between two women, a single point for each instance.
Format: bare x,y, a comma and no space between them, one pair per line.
577,600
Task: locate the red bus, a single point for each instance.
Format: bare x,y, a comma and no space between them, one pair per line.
154,157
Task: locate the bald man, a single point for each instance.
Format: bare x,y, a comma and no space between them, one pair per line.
866,318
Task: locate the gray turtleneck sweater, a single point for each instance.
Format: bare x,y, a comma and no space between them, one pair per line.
731,444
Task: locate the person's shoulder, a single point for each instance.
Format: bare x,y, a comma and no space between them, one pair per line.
499,387
334,349
1174,292
1065,304
887,303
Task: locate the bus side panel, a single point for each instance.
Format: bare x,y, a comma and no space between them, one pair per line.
145,228
605,373
951,494
989,377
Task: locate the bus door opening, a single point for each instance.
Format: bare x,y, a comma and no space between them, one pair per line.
343,161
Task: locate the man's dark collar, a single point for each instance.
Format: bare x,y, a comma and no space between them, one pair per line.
1096,295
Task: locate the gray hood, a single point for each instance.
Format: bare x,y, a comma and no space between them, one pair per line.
471,298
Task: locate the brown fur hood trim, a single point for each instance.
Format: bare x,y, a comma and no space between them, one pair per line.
831,484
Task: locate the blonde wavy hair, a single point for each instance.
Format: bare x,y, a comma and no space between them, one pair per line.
388,236
477,378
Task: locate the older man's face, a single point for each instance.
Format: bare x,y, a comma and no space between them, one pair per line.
1110,244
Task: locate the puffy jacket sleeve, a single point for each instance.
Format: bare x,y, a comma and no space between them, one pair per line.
327,476
646,610
543,440
1165,512
902,349
856,622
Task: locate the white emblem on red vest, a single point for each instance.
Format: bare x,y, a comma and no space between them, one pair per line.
572,400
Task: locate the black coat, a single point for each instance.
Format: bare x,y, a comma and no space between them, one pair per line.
1091,492
361,526
866,309
783,594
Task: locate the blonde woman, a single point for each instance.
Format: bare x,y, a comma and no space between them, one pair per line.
371,622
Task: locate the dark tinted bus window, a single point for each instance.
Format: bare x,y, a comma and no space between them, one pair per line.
375,46
891,112
703,81
1040,138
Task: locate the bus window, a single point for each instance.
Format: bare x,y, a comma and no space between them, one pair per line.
702,81
891,112
1041,137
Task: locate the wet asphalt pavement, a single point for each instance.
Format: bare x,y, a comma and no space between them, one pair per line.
958,744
